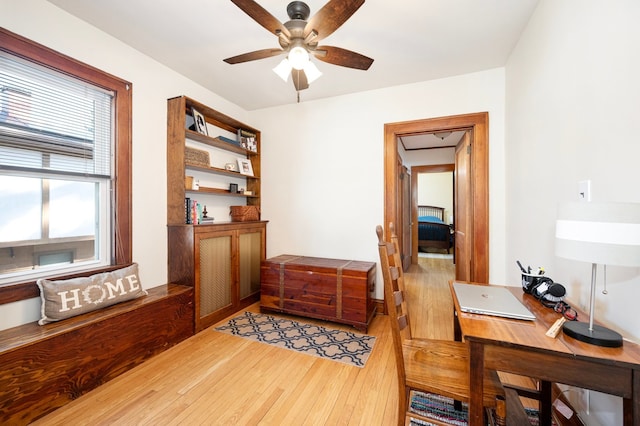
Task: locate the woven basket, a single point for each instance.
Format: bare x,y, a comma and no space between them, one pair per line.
244,213
196,157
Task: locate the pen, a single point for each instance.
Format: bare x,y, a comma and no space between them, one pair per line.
521,268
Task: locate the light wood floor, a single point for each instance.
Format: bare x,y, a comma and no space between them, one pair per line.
218,379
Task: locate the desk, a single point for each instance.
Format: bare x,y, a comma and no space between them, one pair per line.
521,347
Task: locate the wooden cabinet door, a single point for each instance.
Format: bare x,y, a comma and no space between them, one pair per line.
250,255
215,276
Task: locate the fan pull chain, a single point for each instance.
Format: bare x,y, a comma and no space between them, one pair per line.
604,291
298,92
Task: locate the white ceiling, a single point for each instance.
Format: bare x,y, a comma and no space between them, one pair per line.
431,140
409,40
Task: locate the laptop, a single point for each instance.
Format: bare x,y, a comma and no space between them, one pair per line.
496,301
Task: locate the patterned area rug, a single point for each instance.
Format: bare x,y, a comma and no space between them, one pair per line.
440,408
343,346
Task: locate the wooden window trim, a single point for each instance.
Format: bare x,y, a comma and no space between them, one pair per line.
122,252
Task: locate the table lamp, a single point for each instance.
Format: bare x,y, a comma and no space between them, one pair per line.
599,233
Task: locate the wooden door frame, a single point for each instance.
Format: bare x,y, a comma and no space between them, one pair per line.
478,126
415,171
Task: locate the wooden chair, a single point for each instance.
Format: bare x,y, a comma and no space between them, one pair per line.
433,366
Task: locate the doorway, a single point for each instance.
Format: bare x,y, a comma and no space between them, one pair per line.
476,256
447,171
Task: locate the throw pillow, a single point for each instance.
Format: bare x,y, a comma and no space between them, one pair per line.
63,299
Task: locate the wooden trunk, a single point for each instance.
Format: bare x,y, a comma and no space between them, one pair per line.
328,289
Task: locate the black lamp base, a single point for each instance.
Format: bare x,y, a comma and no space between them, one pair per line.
599,336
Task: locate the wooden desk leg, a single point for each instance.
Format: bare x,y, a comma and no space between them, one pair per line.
457,336
545,403
631,406
476,376
457,333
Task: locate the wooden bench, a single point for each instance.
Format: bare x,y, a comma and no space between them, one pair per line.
44,367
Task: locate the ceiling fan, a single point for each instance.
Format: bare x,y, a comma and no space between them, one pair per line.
299,39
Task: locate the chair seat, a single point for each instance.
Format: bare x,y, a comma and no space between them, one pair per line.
445,366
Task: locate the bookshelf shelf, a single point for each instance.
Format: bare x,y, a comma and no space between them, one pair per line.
219,171
217,191
218,143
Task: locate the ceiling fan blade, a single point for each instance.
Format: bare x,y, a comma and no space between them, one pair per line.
342,57
261,16
299,79
331,17
252,56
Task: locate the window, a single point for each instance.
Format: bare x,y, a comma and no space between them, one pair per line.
65,167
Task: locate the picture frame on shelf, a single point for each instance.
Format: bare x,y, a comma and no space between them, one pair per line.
245,167
200,123
247,140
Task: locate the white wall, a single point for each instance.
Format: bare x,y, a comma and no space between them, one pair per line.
436,189
572,107
323,161
153,84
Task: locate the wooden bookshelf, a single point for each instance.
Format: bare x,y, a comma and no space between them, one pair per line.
220,260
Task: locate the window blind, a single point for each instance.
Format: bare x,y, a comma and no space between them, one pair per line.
52,123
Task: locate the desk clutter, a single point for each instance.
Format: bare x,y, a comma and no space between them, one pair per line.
548,292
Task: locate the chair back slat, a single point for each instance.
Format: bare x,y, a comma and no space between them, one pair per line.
395,273
398,298
402,322
390,248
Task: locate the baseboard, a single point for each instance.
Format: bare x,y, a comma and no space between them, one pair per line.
380,309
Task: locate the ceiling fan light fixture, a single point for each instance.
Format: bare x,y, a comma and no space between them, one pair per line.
283,69
298,39
312,72
298,57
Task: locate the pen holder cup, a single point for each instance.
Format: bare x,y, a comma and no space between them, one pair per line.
530,281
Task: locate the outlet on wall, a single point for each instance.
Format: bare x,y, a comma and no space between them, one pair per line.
584,190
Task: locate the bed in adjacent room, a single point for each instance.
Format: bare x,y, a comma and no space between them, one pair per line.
433,232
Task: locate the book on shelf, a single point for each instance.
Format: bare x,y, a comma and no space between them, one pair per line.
190,123
247,140
187,211
195,212
229,140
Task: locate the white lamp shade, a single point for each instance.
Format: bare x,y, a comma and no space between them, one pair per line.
600,233
283,69
312,72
